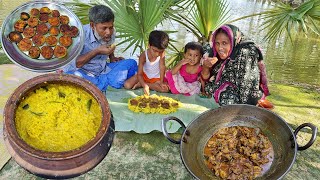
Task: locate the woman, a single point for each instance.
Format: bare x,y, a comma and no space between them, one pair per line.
236,73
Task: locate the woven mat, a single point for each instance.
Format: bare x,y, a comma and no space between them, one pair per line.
126,120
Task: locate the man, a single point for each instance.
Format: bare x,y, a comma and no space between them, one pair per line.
92,62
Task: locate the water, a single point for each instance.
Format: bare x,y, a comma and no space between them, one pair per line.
286,62
296,62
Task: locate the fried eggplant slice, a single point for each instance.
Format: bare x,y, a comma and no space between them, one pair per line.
47,52
65,40
24,16
25,44
51,40
20,25
45,10
64,19
34,52
29,32
15,36
64,29
38,39
33,21
60,51
54,21
55,13
54,31
44,18
34,12
42,28
74,31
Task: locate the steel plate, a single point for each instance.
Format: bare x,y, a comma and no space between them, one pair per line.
40,65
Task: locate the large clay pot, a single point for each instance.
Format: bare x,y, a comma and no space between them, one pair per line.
58,164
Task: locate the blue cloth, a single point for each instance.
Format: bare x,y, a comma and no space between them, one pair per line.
119,73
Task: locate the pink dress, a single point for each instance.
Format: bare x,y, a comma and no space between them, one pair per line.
183,82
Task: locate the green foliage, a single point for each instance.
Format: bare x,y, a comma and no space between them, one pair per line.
201,17
174,58
136,19
81,10
284,19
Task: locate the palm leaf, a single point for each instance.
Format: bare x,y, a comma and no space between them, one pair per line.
136,19
201,17
81,10
282,19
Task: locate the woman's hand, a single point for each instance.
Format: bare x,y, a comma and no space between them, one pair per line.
210,61
207,64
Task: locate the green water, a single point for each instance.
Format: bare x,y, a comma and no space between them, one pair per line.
288,63
296,62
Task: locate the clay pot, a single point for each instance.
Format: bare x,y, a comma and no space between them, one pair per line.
58,164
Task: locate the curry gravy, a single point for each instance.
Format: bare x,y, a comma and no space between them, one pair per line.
238,152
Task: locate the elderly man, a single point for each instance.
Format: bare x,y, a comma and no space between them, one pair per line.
92,62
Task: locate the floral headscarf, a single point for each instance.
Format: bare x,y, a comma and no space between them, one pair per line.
235,35
237,79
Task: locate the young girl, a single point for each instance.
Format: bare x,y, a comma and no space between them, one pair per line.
184,77
151,69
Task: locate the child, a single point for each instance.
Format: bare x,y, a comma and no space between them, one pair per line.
183,78
151,69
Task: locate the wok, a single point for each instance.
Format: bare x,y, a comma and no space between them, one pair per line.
199,131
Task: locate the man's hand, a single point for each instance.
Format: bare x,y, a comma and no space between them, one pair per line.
106,50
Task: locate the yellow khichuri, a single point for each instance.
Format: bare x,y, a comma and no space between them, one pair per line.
58,118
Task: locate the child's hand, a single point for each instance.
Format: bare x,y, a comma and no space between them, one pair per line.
146,90
185,61
163,85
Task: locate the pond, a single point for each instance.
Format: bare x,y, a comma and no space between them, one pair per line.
286,62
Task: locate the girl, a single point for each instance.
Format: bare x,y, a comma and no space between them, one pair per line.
183,78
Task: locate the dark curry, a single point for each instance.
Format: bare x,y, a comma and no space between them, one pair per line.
238,152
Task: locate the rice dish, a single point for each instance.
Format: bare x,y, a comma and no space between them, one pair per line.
57,118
